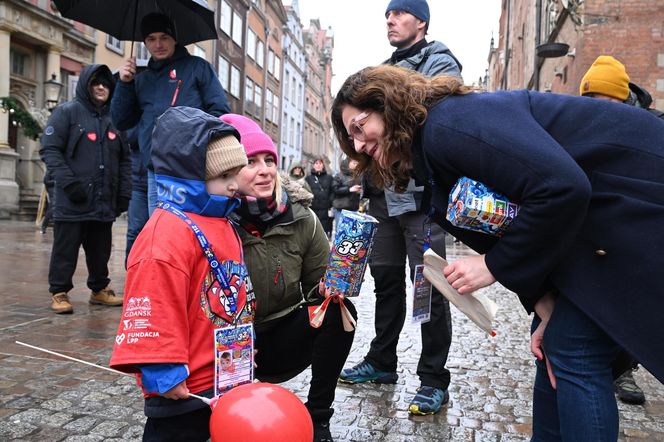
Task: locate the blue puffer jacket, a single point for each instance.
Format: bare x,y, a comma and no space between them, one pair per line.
182,80
80,145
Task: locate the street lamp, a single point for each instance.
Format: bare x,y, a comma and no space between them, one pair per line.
52,89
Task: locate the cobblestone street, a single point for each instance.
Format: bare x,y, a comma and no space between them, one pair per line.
45,398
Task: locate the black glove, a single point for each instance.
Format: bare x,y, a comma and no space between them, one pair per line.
121,206
76,193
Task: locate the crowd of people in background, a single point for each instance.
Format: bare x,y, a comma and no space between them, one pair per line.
165,133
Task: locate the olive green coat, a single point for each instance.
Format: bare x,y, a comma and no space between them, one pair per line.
287,262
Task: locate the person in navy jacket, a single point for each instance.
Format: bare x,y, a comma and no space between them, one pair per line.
90,166
173,78
588,178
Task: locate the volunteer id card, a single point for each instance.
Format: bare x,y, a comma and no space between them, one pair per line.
421,297
233,357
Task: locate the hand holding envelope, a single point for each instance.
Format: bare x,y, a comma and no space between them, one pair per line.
476,306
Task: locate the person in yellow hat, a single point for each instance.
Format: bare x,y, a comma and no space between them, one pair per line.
607,79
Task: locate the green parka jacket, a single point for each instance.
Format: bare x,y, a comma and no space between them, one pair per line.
286,264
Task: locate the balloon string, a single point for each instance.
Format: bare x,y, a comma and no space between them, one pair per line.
101,367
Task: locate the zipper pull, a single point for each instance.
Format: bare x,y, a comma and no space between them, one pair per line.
278,273
177,91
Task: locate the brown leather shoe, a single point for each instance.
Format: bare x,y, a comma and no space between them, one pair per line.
105,297
60,303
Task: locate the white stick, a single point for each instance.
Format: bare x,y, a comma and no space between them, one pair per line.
204,399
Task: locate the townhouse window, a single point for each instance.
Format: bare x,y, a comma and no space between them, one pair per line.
225,17
251,44
249,96
260,53
258,100
223,72
235,82
114,44
268,104
270,62
277,67
238,24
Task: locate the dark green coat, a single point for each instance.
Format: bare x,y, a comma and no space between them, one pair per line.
286,263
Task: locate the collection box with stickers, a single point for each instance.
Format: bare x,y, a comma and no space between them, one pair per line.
473,205
350,252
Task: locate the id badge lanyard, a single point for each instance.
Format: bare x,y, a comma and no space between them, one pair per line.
216,266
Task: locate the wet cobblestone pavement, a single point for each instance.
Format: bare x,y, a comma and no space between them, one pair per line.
45,398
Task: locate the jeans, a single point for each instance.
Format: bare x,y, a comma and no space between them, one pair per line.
137,216
583,406
152,192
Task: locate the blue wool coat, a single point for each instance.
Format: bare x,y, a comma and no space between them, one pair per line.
589,176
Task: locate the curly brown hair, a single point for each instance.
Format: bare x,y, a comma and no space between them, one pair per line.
402,97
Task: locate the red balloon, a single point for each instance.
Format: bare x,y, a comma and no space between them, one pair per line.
260,412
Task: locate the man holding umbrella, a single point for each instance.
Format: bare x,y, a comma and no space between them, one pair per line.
173,78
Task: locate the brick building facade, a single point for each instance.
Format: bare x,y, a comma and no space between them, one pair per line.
630,30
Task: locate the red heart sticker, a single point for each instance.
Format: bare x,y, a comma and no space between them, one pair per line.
173,74
92,136
111,135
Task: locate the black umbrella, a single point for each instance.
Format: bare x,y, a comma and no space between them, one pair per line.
192,19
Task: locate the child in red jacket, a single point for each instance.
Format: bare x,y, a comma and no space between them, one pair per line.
185,274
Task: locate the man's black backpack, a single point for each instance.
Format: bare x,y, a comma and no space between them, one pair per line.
640,97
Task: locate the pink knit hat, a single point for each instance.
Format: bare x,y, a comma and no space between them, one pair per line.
252,136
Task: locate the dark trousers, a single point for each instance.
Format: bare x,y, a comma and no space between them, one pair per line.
291,344
189,427
396,238
137,216
68,237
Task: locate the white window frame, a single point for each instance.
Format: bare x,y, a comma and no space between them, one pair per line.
275,106
235,82
114,44
226,18
277,67
268,104
258,100
249,106
270,61
223,72
238,24
260,53
251,44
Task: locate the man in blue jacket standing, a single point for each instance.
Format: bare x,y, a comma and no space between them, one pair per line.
173,78
401,234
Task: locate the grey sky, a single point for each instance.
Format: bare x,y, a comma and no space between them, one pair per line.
360,35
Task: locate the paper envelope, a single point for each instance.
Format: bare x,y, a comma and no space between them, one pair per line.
476,306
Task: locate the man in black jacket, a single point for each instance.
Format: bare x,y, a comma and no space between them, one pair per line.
91,167
321,186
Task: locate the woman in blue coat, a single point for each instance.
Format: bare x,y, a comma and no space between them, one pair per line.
584,252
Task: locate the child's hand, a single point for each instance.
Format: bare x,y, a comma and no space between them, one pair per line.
180,391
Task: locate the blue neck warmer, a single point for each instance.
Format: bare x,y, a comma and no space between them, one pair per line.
191,196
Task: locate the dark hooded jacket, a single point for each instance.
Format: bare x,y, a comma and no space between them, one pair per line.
182,80
343,181
82,149
180,147
321,187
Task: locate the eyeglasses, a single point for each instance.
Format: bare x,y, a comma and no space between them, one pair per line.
95,83
356,127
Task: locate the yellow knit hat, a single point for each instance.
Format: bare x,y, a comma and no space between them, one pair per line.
607,76
223,153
